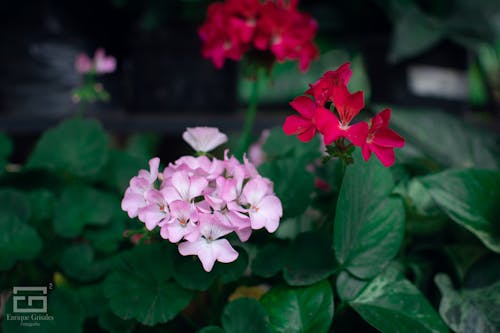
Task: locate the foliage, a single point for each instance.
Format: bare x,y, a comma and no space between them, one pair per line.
413,248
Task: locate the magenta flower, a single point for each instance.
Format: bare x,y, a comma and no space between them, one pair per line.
302,125
265,208
210,247
204,139
381,140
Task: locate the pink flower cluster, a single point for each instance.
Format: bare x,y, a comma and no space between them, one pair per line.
101,64
234,27
315,116
196,201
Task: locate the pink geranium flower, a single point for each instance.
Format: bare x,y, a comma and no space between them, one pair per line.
264,208
135,195
103,63
210,247
381,140
184,187
204,139
182,223
83,64
156,211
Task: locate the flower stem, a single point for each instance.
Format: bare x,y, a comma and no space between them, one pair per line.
249,117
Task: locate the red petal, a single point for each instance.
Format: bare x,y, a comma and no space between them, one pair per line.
348,105
296,125
328,125
307,135
386,137
357,133
385,155
305,106
366,152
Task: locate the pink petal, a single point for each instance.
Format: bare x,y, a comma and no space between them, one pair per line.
204,139
181,182
223,251
154,163
197,186
254,191
271,207
131,203
151,215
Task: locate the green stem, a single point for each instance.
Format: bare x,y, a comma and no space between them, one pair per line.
249,117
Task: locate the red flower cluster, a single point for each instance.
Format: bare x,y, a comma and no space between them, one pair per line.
375,136
234,27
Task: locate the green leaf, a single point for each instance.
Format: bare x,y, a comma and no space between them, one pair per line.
119,169
245,315
93,300
234,270
300,310
189,273
414,34
42,203
270,259
470,310
392,304
470,198
18,241
77,146
80,206
211,329
78,262
349,286
114,324
310,259
63,307
279,145
107,238
369,225
292,183
446,139
140,287
14,203
5,151
143,146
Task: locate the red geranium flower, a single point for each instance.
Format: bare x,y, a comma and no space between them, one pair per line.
381,140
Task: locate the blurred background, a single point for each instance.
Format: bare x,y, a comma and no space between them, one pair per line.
427,54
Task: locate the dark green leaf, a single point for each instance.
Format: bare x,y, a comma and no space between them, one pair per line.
310,259
300,310
349,286
189,273
140,287
369,225
143,146
392,304
114,324
119,169
77,146
279,145
80,206
107,238
233,271
78,262
413,34
470,198
245,315
292,183
446,139
14,203
63,308
270,259
93,300
5,151
43,205
18,241
470,310
211,329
